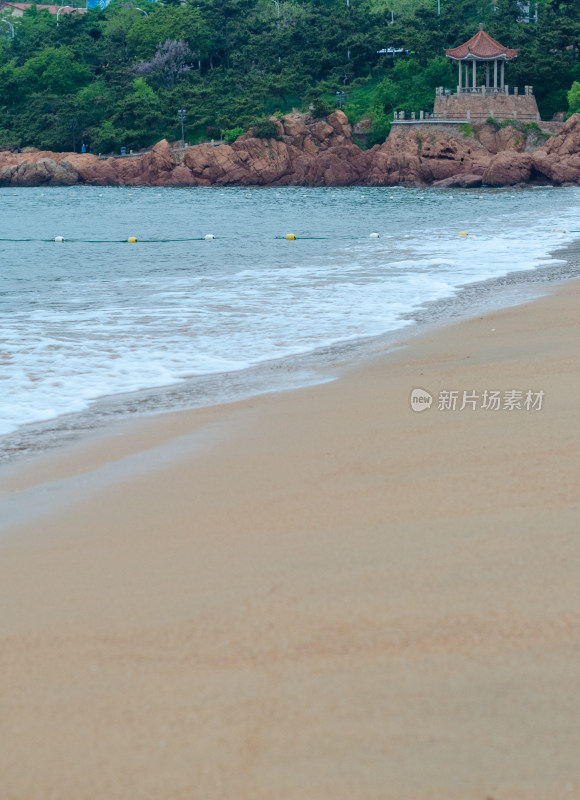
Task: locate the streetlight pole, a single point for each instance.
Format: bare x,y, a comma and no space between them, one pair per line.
73,127
5,21
277,4
141,10
181,115
62,8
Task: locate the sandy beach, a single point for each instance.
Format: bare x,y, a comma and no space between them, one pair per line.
310,595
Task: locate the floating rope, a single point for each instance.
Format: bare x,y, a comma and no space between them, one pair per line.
161,241
106,241
319,237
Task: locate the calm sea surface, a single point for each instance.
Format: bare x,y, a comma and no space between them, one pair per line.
84,319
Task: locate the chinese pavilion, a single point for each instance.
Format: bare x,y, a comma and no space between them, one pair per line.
482,50
481,88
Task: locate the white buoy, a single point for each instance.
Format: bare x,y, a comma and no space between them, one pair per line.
373,235
59,238
209,236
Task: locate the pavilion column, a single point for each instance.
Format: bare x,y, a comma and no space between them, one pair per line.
474,75
459,62
502,74
495,73
487,74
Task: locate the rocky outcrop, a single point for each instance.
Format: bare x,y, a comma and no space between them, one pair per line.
419,157
39,172
507,169
305,152
314,152
559,160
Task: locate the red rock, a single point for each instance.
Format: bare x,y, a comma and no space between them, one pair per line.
507,138
508,168
159,159
567,142
182,176
311,152
93,171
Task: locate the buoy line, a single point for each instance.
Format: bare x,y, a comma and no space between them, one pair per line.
130,239
207,238
290,237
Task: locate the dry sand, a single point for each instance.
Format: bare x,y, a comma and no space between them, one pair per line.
312,595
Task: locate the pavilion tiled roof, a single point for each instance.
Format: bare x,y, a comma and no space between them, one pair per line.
481,46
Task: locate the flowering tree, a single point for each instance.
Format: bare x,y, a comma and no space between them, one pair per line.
170,62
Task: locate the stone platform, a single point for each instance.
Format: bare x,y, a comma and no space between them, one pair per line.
482,106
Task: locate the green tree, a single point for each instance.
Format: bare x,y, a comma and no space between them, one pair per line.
573,97
54,70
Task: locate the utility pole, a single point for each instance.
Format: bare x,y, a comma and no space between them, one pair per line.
181,116
73,127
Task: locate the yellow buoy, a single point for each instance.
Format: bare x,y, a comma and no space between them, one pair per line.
463,233
290,237
132,239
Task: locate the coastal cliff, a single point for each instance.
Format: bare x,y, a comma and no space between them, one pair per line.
314,152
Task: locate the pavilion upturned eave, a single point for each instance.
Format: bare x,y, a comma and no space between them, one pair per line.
481,47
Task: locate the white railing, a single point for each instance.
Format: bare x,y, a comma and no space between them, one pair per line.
426,116
526,91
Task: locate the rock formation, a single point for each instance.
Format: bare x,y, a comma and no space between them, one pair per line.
39,172
311,152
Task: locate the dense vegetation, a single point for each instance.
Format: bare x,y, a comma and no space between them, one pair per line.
122,75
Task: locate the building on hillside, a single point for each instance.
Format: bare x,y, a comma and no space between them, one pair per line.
18,9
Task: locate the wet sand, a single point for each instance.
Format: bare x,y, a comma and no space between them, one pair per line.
309,595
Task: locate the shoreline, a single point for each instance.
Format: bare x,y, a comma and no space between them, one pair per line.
288,372
311,592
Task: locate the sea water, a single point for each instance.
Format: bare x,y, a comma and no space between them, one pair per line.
95,316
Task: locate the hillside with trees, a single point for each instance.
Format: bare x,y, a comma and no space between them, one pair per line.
121,75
